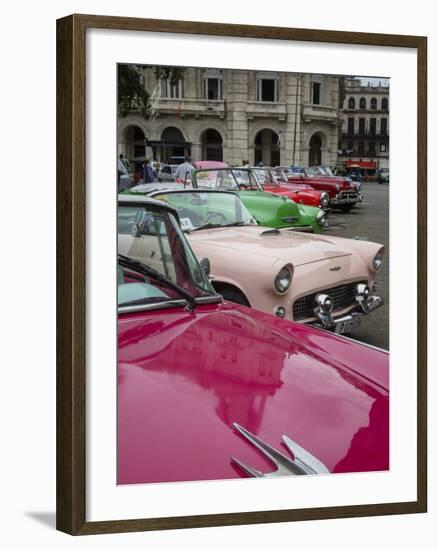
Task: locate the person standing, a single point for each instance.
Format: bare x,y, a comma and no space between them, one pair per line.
148,172
184,169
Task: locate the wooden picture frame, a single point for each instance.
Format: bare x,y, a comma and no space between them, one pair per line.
71,272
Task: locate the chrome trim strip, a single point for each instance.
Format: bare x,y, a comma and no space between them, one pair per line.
273,231
200,300
302,228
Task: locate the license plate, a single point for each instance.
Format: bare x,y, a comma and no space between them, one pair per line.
348,326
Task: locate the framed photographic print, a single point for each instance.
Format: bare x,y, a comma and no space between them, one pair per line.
241,274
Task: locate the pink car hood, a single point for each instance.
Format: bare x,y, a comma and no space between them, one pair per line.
288,245
184,378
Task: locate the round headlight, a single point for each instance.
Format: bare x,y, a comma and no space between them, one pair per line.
283,280
324,200
378,260
321,218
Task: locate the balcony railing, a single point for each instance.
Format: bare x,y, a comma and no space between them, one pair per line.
320,112
367,135
189,106
364,154
266,109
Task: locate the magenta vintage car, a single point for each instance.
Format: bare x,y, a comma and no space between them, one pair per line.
212,390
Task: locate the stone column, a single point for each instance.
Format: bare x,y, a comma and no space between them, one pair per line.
292,133
236,97
190,81
196,152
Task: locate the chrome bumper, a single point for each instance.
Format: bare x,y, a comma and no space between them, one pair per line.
347,200
302,228
329,322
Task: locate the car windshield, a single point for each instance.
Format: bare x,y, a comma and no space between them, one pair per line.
281,175
310,172
328,171
197,209
216,179
266,177
153,237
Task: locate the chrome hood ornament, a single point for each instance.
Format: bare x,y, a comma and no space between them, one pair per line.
303,462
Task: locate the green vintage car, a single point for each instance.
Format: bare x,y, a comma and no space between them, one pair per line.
268,209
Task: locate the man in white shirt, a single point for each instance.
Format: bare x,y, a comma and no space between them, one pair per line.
184,170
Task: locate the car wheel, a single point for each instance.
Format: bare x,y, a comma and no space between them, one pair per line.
234,295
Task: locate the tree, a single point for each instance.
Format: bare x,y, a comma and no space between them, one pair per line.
132,93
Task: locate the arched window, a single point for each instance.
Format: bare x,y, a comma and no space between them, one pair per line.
172,135
362,103
373,103
173,145
211,145
135,144
267,148
351,103
384,104
315,150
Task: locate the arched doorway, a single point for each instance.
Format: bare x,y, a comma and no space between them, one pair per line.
315,150
266,148
135,142
211,141
173,144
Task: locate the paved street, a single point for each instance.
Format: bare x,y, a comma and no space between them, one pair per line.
370,221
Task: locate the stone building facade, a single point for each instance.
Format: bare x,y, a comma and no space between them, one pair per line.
235,116
365,129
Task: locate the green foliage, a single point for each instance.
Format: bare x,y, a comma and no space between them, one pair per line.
132,94
173,74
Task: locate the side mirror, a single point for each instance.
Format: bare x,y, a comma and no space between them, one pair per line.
205,265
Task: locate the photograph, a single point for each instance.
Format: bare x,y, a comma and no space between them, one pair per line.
253,287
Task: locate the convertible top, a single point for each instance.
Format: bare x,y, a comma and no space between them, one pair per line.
144,200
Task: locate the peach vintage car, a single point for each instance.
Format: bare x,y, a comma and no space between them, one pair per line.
323,280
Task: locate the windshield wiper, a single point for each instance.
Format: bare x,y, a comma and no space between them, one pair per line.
214,225
235,224
144,269
205,226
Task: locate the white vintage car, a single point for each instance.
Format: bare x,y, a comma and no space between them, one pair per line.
323,280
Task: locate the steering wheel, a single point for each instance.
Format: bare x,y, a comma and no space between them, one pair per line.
242,186
211,215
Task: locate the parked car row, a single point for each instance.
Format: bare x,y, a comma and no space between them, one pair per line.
229,383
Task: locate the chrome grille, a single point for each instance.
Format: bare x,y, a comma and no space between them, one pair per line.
343,296
349,195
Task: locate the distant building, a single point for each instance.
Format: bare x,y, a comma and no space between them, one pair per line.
234,115
365,129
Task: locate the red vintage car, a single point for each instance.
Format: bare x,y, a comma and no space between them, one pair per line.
343,194
209,390
277,181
